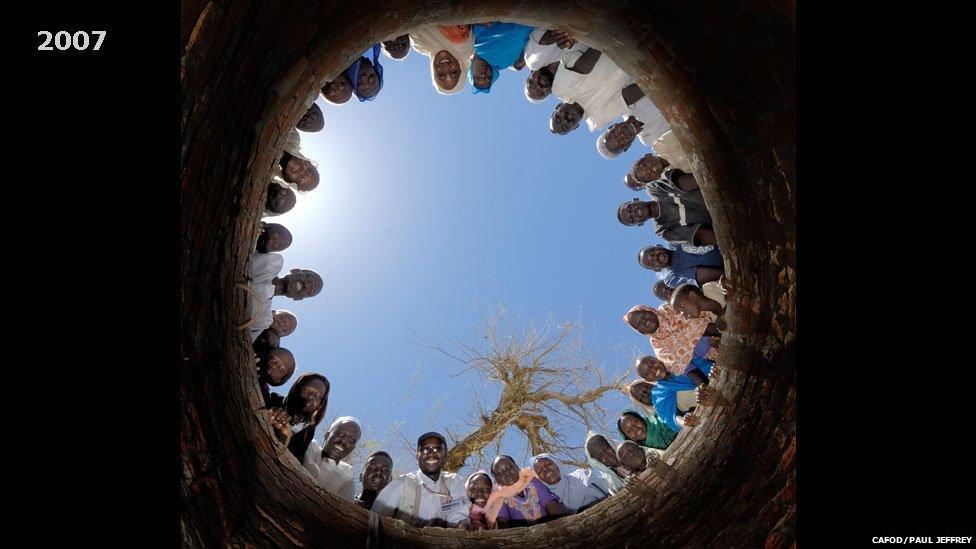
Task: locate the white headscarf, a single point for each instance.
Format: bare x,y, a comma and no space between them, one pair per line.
344,419
571,487
610,476
429,40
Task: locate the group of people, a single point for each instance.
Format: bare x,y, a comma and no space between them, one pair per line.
682,331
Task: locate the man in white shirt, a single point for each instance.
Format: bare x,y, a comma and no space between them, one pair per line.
325,462
428,496
298,285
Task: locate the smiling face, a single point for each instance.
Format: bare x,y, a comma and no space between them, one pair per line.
279,365
505,470
302,173
280,199
600,449
446,69
631,456
688,302
651,368
655,258
302,283
566,118
479,489
284,322
620,135
398,47
547,471
634,212
642,392
341,441
339,90
649,167
314,395
313,120
481,73
644,322
377,472
662,291
431,455
538,85
633,427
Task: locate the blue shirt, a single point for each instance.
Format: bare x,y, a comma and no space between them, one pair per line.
684,265
664,396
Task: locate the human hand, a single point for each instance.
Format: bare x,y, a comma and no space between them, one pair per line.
563,39
720,324
280,421
691,420
705,395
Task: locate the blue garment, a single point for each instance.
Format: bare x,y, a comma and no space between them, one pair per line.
353,72
500,45
684,264
664,396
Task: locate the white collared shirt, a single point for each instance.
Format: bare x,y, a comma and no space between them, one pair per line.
264,269
444,499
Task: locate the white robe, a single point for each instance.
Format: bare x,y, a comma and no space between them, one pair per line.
537,55
264,268
338,478
668,147
429,40
595,91
644,110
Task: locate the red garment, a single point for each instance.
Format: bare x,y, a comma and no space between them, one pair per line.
455,33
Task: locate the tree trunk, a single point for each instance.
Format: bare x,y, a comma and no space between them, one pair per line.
721,73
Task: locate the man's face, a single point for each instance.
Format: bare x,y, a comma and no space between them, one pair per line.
566,118
398,47
662,291
274,237
377,473
479,490
632,183
644,322
369,80
284,323
547,471
431,454
538,84
642,392
633,427
313,120
481,73
632,457
341,441
636,212
601,450
505,471
302,173
300,284
280,199
314,394
279,365
655,258
447,70
339,90
651,368
649,167
622,134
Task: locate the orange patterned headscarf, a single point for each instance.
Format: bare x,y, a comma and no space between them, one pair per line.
676,336
455,33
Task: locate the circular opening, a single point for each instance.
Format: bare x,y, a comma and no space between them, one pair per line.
745,166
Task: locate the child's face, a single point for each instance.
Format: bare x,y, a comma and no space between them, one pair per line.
279,365
284,323
644,322
632,457
632,183
481,73
649,167
313,120
447,70
273,238
369,81
633,427
655,258
688,306
601,451
302,173
662,291
339,90
479,490
398,47
651,368
642,392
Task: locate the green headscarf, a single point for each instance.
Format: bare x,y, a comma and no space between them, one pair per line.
659,435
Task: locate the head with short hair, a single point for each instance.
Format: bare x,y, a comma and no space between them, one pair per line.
505,469
634,212
431,452
632,456
300,172
643,319
600,449
538,85
339,90
655,257
687,300
662,291
377,471
302,283
313,120
284,322
398,48
632,183
618,137
648,168
341,438
566,118
650,368
280,199
276,366
274,237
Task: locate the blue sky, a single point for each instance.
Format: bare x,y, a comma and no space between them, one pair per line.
433,210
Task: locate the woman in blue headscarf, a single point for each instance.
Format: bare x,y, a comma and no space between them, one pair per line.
366,75
496,46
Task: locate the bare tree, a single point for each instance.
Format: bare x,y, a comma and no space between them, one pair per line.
549,385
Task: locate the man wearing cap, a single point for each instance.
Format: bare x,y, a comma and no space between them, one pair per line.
428,496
